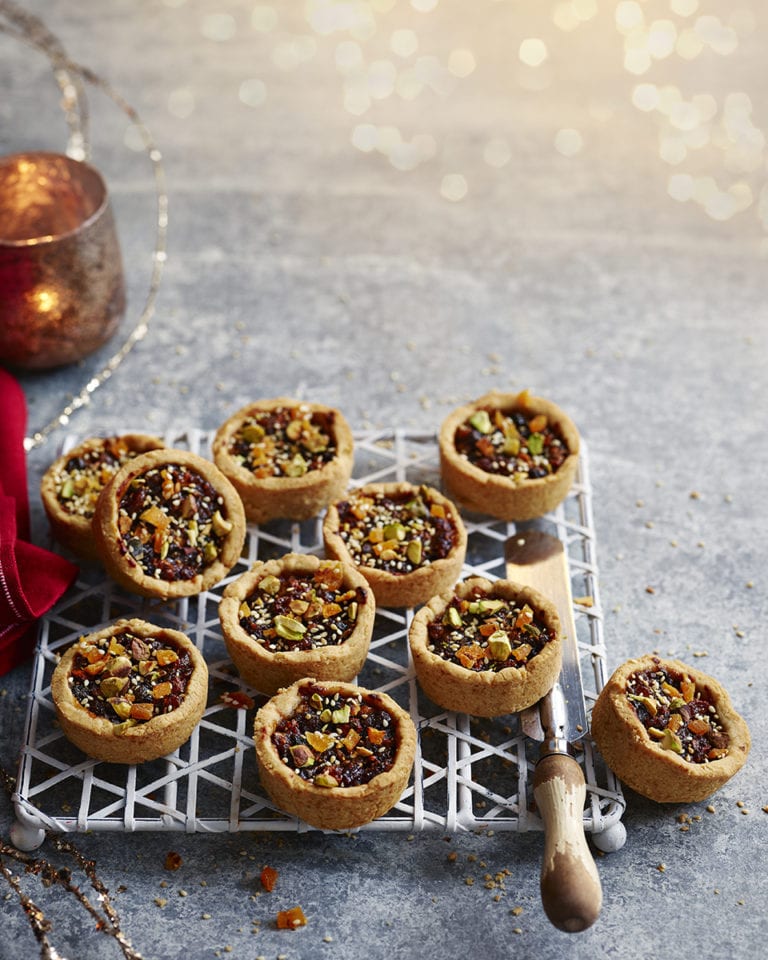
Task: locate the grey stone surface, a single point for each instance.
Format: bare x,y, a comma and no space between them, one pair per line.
300,264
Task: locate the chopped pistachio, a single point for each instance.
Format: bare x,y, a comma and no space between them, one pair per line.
648,702
253,433
296,466
481,421
121,706
499,646
288,628
394,531
325,780
671,741
302,755
341,715
210,552
113,686
486,605
414,551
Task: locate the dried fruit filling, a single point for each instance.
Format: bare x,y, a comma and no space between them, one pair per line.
487,633
285,442
332,740
511,443
172,523
302,611
397,533
676,715
83,477
129,679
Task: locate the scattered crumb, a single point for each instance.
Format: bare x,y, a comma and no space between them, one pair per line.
516,911
694,495
160,902
172,860
661,867
649,589
710,808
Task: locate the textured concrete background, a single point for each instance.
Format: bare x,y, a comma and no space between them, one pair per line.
560,255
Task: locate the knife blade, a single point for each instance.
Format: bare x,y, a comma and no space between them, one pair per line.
570,884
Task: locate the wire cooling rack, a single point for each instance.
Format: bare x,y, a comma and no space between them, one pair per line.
470,773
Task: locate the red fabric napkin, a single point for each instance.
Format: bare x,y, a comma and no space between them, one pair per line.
31,579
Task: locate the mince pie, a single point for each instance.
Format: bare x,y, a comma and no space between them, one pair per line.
408,541
668,731
131,692
334,755
286,458
486,648
297,616
512,456
168,524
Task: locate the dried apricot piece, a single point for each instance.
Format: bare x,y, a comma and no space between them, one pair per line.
291,919
268,878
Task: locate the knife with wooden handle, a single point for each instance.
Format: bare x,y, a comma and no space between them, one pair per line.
570,886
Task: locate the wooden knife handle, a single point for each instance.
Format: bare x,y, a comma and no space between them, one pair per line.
570,886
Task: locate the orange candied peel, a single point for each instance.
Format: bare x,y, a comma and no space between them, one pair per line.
291,919
268,878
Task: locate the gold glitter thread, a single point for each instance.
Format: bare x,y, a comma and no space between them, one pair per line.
102,911
32,31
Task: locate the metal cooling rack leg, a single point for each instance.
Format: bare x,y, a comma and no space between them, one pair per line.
26,835
611,839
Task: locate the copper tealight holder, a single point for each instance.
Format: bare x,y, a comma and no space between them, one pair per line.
62,292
